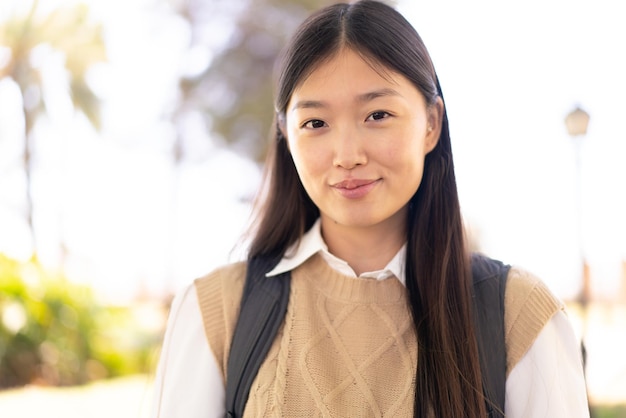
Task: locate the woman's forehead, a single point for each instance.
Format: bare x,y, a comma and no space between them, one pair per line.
357,63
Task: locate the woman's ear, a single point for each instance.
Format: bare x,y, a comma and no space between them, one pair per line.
435,120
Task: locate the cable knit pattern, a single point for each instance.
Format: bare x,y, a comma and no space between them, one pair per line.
346,349
347,346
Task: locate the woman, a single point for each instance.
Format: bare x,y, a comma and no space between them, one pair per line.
362,209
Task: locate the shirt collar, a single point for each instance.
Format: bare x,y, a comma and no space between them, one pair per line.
312,243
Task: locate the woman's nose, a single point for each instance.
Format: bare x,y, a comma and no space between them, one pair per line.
348,149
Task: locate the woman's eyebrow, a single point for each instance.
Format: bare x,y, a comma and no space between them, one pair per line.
361,98
369,96
309,104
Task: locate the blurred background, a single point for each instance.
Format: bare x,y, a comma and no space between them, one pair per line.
132,135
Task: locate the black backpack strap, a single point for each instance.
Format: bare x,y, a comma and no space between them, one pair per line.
263,307
489,277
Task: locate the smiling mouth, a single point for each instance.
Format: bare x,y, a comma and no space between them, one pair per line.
352,184
355,188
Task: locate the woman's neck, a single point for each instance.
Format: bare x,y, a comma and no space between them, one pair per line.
364,248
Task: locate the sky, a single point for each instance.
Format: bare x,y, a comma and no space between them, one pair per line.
510,73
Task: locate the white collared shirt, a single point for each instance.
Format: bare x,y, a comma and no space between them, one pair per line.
547,382
313,243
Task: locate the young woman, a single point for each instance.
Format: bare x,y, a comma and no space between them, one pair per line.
361,208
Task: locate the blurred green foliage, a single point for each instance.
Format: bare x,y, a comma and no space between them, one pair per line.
615,411
55,332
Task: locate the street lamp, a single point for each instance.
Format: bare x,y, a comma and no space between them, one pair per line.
576,123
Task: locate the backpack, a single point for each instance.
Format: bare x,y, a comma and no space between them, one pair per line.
264,304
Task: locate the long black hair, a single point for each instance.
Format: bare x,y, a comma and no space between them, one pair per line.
448,379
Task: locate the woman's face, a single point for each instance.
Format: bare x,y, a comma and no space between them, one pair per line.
358,138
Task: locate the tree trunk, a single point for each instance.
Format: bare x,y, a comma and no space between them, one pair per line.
29,122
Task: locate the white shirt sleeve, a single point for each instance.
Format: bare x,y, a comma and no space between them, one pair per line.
188,382
549,380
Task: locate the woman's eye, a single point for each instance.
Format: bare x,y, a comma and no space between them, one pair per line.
378,115
314,124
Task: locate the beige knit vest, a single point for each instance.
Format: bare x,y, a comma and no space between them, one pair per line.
347,347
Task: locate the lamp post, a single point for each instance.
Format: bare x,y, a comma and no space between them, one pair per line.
576,123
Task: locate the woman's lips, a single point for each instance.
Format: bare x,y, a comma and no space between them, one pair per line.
355,188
